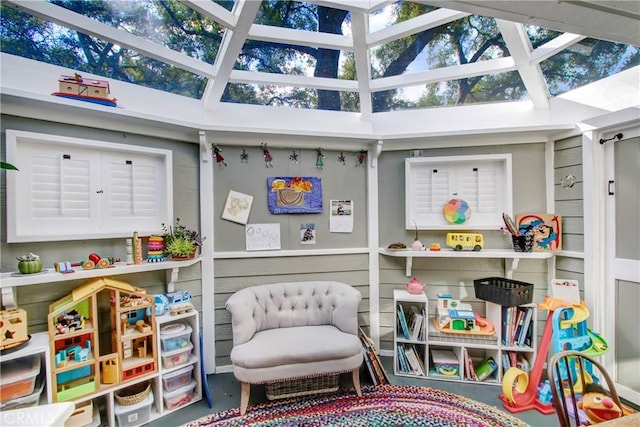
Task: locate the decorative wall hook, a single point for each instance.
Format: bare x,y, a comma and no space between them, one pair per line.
319,158
244,156
268,159
293,157
617,136
216,152
342,159
362,158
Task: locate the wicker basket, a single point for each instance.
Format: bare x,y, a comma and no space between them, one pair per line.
302,386
505,292
134,394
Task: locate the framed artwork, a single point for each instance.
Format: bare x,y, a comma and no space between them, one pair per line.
546,230
294,194
237,207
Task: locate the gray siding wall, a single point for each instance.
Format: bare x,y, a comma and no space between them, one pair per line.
454,275
186,193
569,204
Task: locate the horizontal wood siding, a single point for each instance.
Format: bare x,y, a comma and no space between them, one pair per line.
232,275
569,201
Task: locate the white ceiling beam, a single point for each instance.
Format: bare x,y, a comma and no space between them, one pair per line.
360,6
414,25
359,30
271,34
555,46
230,48
213,11
498,65
80,23
530,72
290,80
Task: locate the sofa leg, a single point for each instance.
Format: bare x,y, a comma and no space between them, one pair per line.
244,397
356,380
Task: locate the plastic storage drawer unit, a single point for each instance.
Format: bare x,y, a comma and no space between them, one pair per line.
18,377
177,357
25,401
175,336
134,415
177,379
180,396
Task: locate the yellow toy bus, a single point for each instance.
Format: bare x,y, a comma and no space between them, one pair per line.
460,241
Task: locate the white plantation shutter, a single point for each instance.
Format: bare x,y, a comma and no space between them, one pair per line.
484,182
70,189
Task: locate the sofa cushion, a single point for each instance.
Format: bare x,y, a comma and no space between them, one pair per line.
290,346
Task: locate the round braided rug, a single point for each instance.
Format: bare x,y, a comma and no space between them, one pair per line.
383,405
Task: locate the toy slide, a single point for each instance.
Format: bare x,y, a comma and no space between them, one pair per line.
580,314
598,346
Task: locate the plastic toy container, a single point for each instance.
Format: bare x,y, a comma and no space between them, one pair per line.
18,377
174,336
179,396
177,357
82,415
25,401
133,415
505,292
177,379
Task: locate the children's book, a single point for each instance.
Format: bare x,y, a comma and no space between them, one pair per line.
485,368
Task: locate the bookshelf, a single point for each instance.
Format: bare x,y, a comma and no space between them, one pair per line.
453,356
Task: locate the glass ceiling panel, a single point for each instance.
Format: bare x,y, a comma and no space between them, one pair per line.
301,16
227,4
499,87
294,97
467,40
166,22
34,38
291,59
586,62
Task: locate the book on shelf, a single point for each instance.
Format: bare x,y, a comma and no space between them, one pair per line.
525,326
520,313
402,320
485,368
469,371
414,362
417,321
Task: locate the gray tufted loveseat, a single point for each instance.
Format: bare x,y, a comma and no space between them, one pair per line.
286,331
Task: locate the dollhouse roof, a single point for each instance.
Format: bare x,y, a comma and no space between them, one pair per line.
89,288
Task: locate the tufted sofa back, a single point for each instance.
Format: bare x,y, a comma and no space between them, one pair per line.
284,305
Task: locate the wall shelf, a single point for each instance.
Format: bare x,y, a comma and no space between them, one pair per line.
8,282
509,255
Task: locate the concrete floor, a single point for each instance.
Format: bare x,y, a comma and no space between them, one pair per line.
225,391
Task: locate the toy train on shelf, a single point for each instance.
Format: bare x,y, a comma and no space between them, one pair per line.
174,303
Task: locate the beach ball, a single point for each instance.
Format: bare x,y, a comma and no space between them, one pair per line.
456,211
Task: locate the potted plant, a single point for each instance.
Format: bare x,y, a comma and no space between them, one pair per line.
180,241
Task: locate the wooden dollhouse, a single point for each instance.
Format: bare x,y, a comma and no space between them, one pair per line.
101,335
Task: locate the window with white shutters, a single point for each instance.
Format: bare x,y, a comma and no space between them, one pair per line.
69,188
484,182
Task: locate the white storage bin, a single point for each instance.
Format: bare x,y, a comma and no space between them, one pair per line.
134,415
25,401
180,396
177,379
175,336
18,377
82,416
177,357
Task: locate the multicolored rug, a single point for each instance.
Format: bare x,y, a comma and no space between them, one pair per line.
383,405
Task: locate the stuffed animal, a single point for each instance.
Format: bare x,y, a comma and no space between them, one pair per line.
598,405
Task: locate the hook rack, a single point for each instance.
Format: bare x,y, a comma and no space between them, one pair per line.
617,136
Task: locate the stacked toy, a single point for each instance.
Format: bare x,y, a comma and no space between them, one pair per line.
155,249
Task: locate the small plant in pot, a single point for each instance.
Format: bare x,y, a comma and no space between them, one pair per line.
29,264
180,241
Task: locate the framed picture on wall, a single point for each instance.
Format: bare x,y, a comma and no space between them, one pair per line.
287,195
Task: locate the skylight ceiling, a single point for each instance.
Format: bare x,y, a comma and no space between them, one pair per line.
352,56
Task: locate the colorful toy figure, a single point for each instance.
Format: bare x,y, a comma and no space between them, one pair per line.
319,158
268,159
598,405
219,159
362,157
